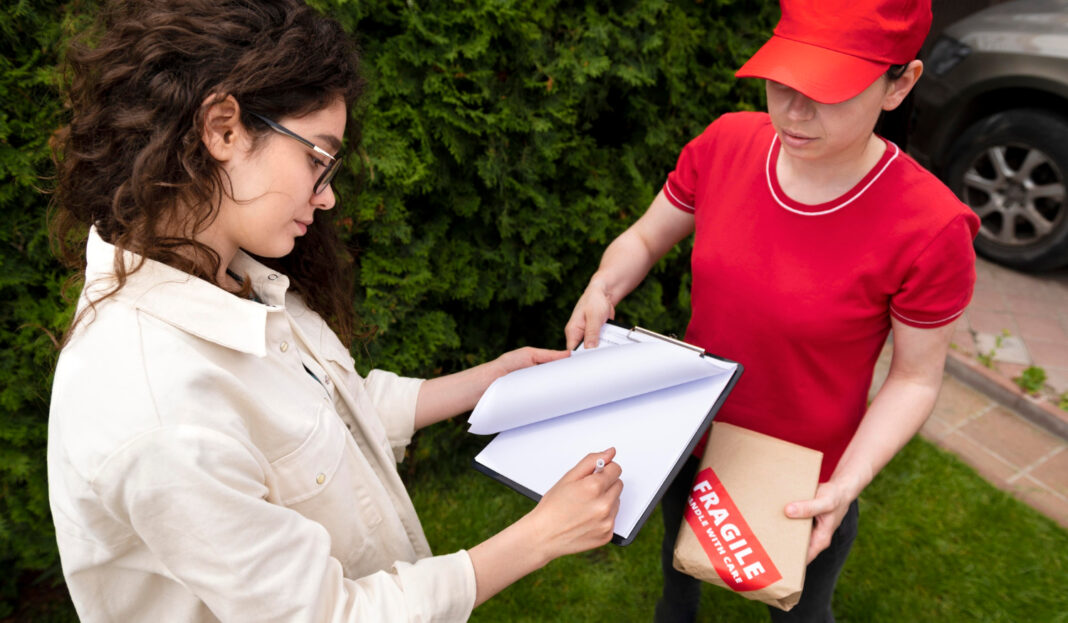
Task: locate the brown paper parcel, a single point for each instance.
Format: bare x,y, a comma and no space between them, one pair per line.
734,533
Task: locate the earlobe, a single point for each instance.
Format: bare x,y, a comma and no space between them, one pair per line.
221,125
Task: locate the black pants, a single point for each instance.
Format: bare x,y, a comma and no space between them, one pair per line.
682,593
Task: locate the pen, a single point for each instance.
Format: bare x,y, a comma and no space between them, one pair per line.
600,466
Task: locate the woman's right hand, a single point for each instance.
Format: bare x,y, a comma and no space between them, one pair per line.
593,309
579,512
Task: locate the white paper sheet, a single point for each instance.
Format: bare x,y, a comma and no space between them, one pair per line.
597,377
646,398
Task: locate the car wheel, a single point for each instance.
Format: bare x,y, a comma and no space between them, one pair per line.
1011,169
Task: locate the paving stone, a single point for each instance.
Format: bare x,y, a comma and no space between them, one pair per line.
1053,472
1030,306
1007,348
1057,378
988,300
963,342
991,322
1042,328
990,466
1011,437
934,429
1042,499
957,402
1048,354
1010,370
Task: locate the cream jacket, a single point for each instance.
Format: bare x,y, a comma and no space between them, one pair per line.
214,458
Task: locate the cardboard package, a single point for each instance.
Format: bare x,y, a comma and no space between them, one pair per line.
734,533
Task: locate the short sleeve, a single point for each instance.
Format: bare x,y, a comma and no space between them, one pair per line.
681,185
939,284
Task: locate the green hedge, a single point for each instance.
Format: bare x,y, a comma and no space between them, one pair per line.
505,144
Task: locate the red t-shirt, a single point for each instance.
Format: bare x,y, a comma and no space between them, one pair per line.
802,295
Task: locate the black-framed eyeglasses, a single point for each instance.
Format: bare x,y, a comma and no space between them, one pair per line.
330,167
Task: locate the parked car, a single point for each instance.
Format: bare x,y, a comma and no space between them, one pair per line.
991,120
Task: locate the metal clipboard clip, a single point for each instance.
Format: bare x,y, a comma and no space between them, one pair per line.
670,340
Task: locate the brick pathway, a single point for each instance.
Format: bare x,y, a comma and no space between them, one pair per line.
1017,442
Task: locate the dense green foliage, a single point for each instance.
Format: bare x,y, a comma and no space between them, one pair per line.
33,314
505,143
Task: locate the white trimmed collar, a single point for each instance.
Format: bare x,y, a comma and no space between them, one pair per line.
849,197
190,303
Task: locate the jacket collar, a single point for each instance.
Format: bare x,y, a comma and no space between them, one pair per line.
190,303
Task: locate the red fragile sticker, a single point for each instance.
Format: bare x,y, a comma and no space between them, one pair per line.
735,553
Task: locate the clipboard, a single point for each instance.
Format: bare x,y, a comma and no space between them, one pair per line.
651,396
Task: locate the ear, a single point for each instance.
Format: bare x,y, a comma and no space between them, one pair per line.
898,89
222,131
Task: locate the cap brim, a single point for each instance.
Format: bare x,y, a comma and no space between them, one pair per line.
823,75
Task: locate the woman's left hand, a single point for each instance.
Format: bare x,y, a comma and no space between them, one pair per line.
453,394
524,358
827,510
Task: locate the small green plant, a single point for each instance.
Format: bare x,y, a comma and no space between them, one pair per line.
1031,380
987,358
1063,401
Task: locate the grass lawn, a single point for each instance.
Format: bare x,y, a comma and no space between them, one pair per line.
936,543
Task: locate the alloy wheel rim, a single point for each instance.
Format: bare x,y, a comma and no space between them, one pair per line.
1018,192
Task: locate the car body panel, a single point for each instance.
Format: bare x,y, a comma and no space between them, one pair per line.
1018,57
1006,57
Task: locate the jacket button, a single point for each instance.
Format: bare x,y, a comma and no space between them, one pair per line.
320,479
272,277
284,346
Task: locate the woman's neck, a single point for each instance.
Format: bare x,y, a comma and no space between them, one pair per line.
225,254
819,180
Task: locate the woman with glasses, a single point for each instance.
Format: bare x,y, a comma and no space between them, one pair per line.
213,454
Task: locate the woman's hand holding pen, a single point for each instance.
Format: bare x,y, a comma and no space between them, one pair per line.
579,512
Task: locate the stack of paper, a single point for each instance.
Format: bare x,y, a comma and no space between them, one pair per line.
649,398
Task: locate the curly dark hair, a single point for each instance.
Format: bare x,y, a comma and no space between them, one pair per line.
132,163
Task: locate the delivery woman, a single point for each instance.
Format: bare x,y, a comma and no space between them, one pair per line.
814,239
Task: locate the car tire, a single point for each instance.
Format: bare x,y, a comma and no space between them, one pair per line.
1011,168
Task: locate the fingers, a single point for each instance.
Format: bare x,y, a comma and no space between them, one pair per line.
810,508
799,510
592,334
826,509
544,355
525,357
588,464
574,332
820,539
603,505
578,512
593,309
596,315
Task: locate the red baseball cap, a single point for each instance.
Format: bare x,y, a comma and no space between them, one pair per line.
831,50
